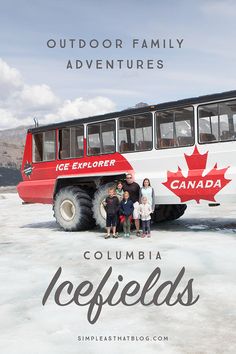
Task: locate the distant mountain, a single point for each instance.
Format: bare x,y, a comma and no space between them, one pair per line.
14,135
12,147
11,153
138,105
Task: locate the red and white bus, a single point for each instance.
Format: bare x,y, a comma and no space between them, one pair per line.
187,148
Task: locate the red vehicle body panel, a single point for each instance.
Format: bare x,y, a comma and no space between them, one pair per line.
39,178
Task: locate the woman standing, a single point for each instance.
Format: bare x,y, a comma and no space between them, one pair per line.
148,192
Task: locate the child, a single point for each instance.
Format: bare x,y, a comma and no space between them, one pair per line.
126,211
119,194
119,190
145,210
111,205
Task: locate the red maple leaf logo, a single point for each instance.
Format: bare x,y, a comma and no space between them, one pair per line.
196,185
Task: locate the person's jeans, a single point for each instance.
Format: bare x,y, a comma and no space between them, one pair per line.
126,225
146,226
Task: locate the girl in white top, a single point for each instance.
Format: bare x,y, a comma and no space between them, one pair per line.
148,192
145,210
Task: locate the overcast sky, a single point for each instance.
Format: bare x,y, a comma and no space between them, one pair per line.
34,80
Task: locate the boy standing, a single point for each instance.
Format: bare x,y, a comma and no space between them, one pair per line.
111,205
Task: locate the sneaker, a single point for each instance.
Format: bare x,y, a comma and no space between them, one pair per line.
138,233
148,235
143,235
115,236
107,236
128,235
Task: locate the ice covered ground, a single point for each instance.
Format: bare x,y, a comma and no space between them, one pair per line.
33,247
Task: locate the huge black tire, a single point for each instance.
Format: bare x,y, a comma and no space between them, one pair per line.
73,209
99,212
168,212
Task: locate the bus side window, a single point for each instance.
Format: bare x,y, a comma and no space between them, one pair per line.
208,123
38,147
165,130
64,143
227,119
49,145
108,136
77,141
71,142
184,126
94,142
101,138
143,132
175,128
44,146
135,133
217,122
126,134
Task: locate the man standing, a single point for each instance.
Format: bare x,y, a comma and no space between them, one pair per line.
134,190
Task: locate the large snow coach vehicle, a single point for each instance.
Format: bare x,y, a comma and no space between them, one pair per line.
186,148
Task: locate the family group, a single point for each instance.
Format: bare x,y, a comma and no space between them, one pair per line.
126,202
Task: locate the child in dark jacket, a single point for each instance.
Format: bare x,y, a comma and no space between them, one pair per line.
111,205
126,211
